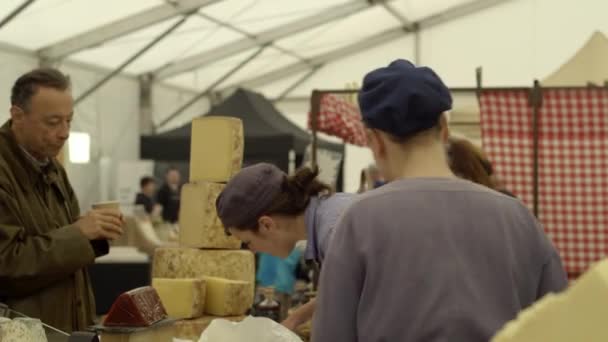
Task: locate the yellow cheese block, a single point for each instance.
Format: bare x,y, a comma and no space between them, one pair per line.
158,333
216,151
183,262
199,225
577,314
228,297
192,329
182,298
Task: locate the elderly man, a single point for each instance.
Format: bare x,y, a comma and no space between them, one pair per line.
45,244
428,256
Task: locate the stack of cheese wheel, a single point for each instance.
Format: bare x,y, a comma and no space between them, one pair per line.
208,276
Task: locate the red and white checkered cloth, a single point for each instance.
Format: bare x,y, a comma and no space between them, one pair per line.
573,164
340,118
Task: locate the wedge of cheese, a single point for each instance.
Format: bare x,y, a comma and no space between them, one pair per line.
192,329
228,297
182,298
183,262
216,151
577,314
199,225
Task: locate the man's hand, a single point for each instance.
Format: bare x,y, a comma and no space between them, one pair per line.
105,224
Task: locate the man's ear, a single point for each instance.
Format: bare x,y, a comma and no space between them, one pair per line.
17,114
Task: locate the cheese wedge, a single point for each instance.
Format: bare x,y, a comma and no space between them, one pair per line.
228,297
182,298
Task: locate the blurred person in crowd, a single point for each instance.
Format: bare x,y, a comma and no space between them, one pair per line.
370,179
169,195
146,196
281,210
45,243
428,256
469,162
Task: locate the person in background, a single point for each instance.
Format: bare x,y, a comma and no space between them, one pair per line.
362,182
45,244
370,179
270,212
374,177
146,196
428,256
469,162
169,195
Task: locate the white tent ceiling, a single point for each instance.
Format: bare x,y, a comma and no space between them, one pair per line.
217,35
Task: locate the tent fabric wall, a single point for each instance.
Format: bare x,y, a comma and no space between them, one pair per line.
520,40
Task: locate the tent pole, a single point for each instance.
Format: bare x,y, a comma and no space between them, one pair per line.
210,88
315,107
130,60
536,99
15,12
298,82
478,80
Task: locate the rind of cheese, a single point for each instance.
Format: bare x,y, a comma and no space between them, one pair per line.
183,262
199,224
577,314
216,152
182,298
228,297
15,331
139,307
192,329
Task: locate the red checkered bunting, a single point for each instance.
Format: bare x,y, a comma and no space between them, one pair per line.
573,164
340,118
506,131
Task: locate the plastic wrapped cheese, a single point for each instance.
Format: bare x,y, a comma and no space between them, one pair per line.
35,327
191,329
15,331
577,314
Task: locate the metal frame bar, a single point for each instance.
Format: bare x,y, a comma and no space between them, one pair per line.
373,41
397,15
536,102
210,88
247,34
9,17
130,60
298,82
121,27
263,38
